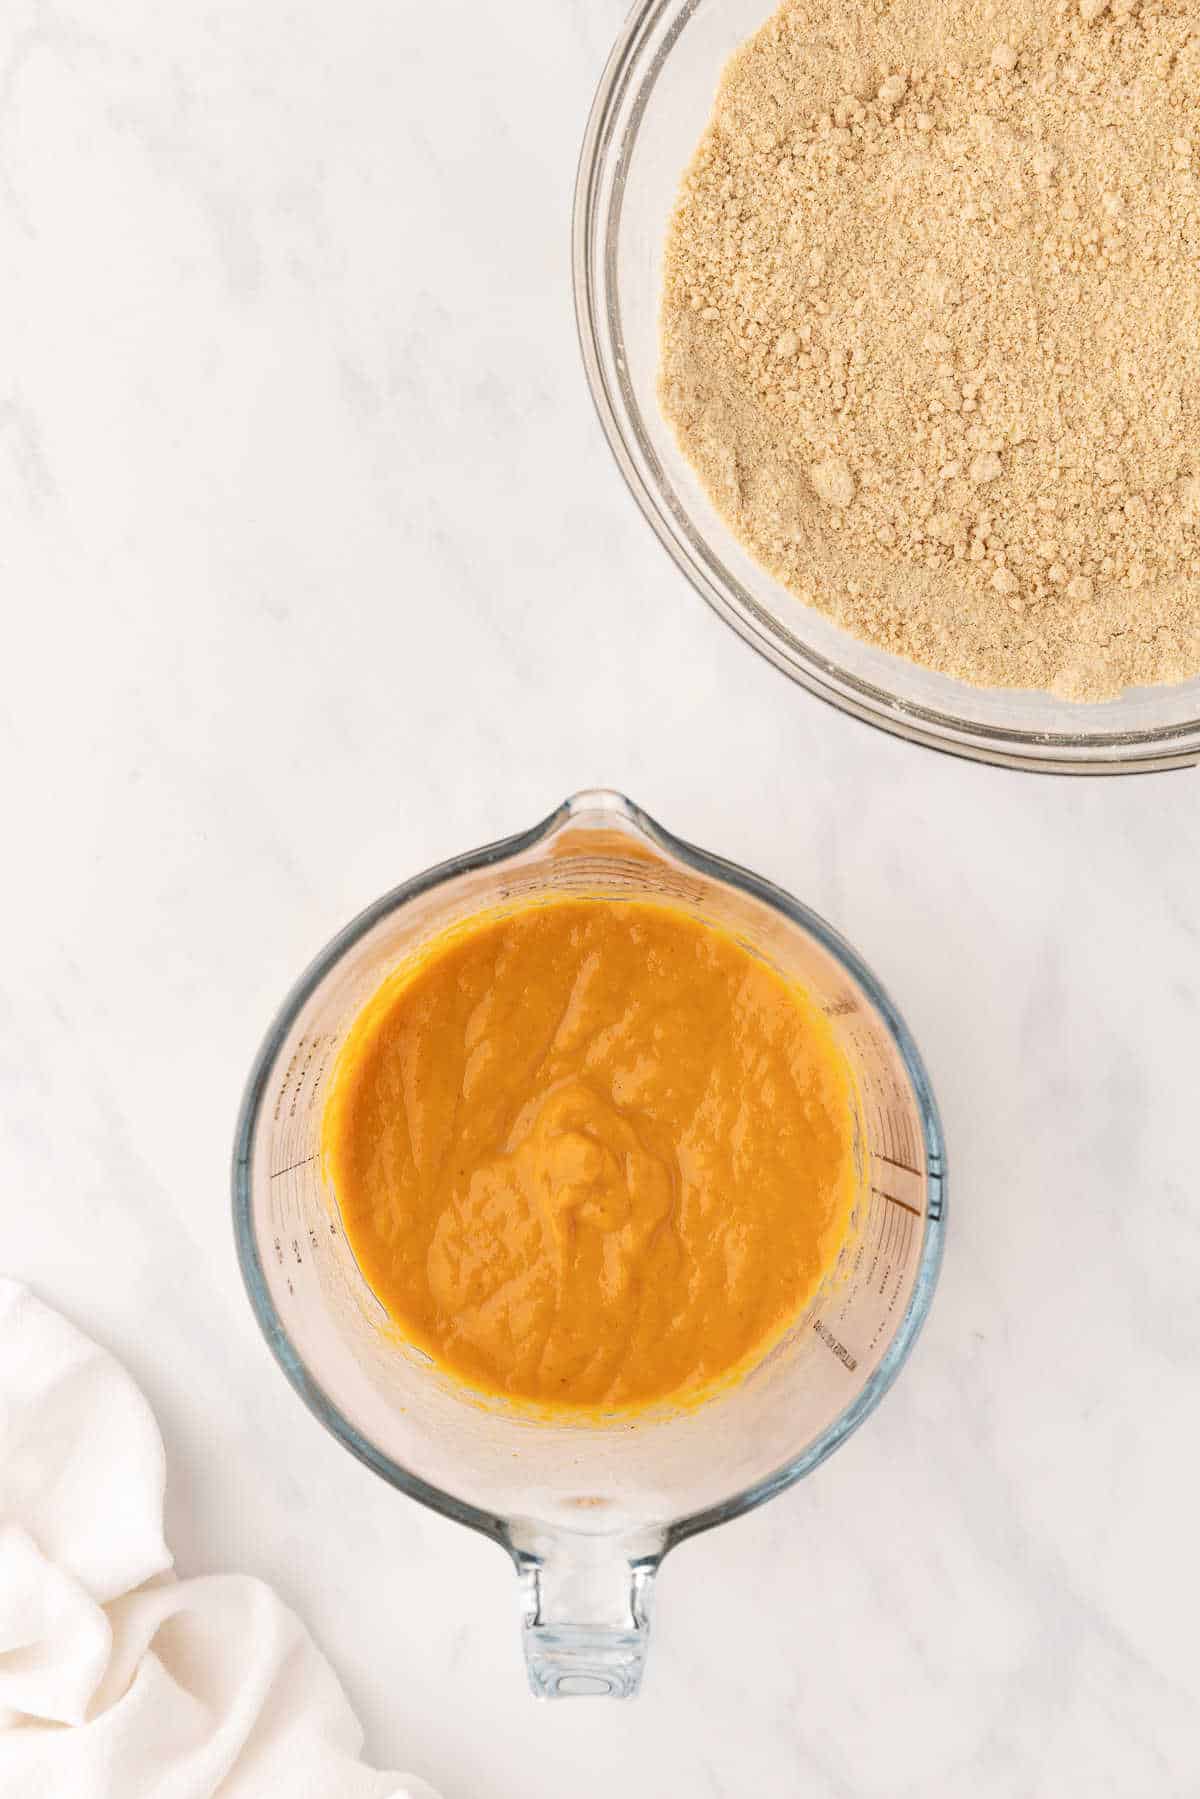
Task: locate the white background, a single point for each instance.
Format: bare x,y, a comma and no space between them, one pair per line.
315,570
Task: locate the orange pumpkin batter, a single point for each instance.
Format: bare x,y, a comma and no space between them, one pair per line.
591,1153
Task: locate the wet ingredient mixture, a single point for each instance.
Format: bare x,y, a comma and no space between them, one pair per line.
592,1153
931,329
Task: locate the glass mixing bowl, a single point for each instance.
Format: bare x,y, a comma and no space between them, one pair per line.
653,103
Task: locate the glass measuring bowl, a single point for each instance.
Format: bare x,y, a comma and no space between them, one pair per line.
653,103
587,1511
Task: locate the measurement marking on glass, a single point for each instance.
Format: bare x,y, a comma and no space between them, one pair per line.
893,1163
878,1220
911,1147
893,1276
292,1166
833,1342
893,1201
280,1096
885,1125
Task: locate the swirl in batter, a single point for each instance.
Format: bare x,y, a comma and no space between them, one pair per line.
592,1154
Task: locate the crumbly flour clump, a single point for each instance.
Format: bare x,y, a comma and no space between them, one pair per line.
931,329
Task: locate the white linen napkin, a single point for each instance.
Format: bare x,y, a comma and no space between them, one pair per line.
118,1681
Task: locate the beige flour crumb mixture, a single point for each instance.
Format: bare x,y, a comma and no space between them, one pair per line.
931,329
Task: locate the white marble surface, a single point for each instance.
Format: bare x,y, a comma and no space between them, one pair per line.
316,570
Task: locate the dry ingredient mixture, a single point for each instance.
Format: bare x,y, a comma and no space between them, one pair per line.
931,329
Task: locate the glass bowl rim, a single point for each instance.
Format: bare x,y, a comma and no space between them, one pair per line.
617,807
597,320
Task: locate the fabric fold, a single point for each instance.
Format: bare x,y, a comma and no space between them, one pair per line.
118,1681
